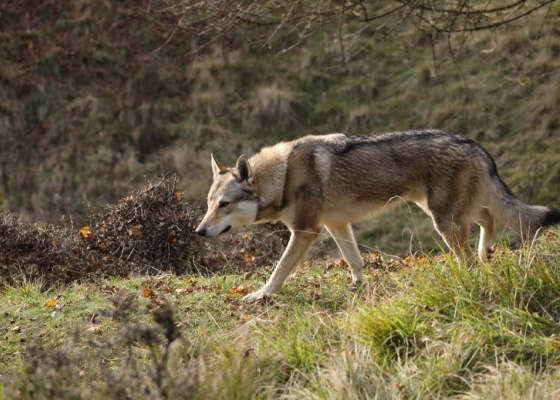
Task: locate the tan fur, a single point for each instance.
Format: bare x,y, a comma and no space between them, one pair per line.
335,180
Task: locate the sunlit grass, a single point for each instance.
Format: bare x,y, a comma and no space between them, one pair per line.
425,327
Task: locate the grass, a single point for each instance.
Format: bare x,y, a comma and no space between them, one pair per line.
422,327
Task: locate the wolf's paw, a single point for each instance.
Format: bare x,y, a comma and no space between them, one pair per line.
358,280
259,295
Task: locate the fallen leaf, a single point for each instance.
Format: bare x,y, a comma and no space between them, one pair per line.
16,329
178,196
136,231
148,293
86,233
50,303
374,259
239,290
125,200
94,329
414,261
166,288
185,290
341,263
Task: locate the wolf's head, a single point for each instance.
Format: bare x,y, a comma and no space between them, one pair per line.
232,200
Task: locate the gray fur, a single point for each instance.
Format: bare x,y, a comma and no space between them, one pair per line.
335,180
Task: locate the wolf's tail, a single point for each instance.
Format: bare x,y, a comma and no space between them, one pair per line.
518,215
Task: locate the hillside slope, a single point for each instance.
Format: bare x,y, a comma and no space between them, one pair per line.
93,97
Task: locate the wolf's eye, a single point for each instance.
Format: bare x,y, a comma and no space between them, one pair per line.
223,204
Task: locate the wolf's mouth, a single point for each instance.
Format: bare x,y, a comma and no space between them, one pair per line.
227,228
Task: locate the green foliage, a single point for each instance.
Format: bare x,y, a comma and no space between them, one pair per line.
505,310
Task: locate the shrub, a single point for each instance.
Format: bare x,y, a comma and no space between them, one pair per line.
149,231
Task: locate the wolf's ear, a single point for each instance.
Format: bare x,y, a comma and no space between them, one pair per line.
243,170
217,167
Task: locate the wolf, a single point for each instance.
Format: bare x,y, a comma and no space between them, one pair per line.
331,181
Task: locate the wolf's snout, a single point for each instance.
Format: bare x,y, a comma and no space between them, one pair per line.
201,231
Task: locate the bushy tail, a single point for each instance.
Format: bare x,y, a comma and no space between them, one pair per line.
518,215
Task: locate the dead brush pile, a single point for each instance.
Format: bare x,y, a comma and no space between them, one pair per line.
150,231
29,251
247,250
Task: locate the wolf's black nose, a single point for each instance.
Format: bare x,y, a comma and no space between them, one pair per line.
201,232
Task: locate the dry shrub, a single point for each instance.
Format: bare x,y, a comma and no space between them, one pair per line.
80,369
149,231
32,251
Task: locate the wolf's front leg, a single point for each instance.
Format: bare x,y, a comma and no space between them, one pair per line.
344,238
300,242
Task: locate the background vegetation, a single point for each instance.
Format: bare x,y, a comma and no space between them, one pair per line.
95,95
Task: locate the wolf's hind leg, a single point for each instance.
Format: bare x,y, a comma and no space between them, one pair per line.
344,238
486,222
455,233
300,242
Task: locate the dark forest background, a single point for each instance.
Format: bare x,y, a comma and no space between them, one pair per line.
97,96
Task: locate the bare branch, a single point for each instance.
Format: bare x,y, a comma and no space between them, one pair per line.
267,20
